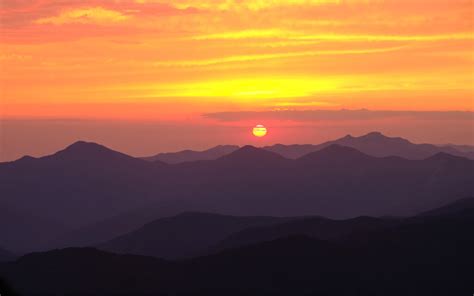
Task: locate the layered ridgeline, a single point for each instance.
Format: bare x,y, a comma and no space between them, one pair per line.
90,194
191,155
375,144
6,255
423,255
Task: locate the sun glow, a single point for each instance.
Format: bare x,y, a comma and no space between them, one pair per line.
259,131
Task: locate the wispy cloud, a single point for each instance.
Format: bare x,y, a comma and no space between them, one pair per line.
338,115
256,57
226,5
300,35
85,16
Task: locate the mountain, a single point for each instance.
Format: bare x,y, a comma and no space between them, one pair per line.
83,183
112,227
22,231
62,272
87,184
183,235
462,148
250,156
190,155
316,227
336,153
6,255
374,144
419,256
456,207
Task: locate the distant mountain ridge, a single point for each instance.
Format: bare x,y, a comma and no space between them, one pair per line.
374,144
87,183
190,155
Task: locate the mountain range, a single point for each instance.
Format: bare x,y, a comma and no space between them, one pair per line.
190,155
374,143
88,194
420,255
185,235
193,234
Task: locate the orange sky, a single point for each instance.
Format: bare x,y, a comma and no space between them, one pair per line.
173,61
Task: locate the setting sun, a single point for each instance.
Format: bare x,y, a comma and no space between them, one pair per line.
259,131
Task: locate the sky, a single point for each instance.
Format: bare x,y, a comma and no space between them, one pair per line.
146,76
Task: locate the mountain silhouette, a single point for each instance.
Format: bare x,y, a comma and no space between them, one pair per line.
335,153
422,255
456,207
317,227
190,155
111,227
84,182
94,155
87,184
5,255
374,144
183,235
251,156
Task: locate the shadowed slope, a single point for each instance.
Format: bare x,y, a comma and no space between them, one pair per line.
183,235
79,184
190,155
420,256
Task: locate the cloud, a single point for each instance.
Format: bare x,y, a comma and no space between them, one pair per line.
338,115
89,15
17,14
295,35
257,57
252,5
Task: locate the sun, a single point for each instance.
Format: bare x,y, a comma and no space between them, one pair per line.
259,131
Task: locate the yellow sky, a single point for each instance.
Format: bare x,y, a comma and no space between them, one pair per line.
191,57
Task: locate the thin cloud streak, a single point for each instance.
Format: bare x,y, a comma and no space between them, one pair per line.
296,35
337,115
257,57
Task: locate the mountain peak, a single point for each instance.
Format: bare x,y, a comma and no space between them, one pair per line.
374,135
336,152
223,148
250,153
25,158
84,147
191,155
340,149
249,148
90,151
